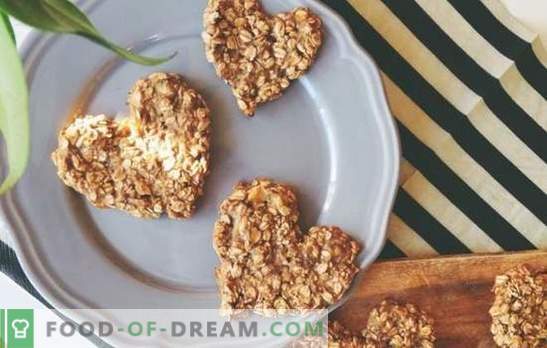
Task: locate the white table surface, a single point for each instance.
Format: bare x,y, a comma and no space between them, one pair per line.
532,13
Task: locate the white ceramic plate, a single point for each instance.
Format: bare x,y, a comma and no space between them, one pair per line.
331,136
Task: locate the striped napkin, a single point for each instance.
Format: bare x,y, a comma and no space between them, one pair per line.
468,86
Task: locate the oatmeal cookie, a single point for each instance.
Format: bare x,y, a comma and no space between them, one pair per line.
389,325
519,311
153,161
266,263
340,337
256,54
399,326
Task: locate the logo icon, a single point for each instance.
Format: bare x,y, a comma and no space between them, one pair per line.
16,328
20,328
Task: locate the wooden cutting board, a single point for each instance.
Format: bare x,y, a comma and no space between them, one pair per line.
454,290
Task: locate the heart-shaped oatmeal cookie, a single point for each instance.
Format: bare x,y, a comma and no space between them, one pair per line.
266,263
389,324
258,55
154,161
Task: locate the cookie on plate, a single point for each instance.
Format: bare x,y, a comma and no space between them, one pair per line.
267,263
154,161
259,55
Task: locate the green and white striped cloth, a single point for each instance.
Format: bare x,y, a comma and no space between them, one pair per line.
468,86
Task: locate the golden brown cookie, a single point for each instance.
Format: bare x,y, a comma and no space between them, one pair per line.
153,161
398,325
389,325
266,263
340,337
519,311
256,54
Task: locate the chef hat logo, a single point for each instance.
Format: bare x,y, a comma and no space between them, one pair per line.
20,328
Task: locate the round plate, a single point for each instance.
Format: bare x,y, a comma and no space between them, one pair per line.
330,136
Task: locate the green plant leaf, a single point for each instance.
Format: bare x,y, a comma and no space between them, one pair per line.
14,123
61,16
5,19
